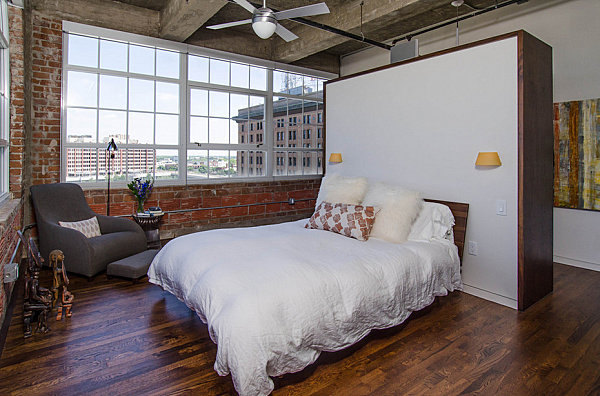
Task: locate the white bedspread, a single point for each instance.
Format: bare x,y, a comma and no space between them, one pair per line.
275,296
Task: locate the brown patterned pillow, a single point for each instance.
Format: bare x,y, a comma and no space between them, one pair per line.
353,221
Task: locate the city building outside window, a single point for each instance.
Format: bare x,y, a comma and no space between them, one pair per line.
178,113
4,101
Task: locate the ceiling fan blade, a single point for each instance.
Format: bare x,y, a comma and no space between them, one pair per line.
285,34
229,24
246,5
314,9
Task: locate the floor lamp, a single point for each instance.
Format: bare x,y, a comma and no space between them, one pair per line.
112,147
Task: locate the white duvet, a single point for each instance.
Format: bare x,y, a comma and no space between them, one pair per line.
275,296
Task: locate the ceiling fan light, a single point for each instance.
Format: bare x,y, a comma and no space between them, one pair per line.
264,29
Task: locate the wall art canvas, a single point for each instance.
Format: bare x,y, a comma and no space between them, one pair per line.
577,154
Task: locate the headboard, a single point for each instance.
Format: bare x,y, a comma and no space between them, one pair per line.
460,212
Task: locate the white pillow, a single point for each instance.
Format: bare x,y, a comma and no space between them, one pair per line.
340,189
398,209
434,221
90,227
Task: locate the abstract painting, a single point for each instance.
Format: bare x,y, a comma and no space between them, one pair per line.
577,154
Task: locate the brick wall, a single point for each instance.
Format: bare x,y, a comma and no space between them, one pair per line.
45,155
12,217
214,195
17,102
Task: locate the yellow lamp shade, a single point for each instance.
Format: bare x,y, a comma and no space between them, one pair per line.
335,157
490,158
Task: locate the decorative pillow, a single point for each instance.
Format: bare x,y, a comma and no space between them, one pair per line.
353,221
340,189
90,227
434,221
399,208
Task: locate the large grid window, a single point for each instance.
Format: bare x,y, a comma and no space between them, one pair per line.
183,114
4,100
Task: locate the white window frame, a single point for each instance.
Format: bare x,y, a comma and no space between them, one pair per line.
267,145
4,102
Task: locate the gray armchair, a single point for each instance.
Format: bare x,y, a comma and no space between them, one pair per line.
86,256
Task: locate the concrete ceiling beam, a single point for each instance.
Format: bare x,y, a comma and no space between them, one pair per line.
179,19
346,16
104,13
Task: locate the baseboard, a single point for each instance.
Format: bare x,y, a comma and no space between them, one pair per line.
493,297
576,263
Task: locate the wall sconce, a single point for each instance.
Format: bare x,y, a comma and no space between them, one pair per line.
335,158
490,158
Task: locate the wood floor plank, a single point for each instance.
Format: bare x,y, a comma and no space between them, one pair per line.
129,338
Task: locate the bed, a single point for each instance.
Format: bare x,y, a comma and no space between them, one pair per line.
274,297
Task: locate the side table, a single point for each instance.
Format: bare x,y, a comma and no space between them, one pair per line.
150,225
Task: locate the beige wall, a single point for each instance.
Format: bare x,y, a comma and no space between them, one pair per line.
571,27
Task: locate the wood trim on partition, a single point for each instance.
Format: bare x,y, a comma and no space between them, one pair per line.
536,179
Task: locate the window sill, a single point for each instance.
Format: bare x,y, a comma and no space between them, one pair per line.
8,208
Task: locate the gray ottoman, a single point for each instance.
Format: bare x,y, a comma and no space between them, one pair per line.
132,267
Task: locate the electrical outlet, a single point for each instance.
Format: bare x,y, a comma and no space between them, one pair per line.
473,248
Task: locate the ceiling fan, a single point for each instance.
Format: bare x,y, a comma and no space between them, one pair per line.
265,21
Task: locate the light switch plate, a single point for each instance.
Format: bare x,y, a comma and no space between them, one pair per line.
501,207
473,248
11,272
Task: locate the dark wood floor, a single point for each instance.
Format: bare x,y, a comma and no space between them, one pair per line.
137,339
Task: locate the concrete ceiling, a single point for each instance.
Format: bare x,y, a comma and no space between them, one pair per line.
383,20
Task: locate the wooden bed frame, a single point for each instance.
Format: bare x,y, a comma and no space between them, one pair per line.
460,211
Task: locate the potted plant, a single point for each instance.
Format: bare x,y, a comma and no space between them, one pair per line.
141,191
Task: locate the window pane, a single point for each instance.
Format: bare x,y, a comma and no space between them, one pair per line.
82,89
118,165
83,51
199,102
218,130
167,63
218,104
310,85
82,164
141,128
218,163
141,94
234,132
167,164
197,68
113,55
241,161
233,163
140,163
309,163
240,75
258,78
113,92
167,129
219,72
280,164
112,125
257,108
199,130
141,59
197,164
239,106
292,164
167,97
81,125
289,83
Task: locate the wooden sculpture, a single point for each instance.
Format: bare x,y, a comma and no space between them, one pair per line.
60,280
37,300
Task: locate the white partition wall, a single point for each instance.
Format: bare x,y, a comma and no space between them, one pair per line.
421,125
